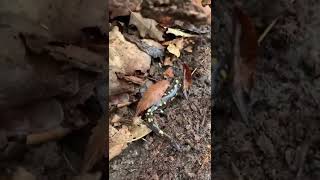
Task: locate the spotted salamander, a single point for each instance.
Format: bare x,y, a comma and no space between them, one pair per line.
169,95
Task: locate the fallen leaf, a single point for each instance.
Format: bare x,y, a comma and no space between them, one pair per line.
95,146
149,46
187,79
117,140
146,26
126,62
175,46
169,72
178,32
152,95
138,130
188,49
245,44
167,62
173,49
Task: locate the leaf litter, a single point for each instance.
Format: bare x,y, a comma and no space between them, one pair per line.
165,46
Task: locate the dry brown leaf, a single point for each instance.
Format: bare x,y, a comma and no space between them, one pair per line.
169,72
173,49
245,45
175,46
167,62
138,130
187,79
146,26
126,62
95,146
117,140
116,149
152,95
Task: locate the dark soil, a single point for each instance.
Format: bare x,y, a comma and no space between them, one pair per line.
188,121
282,141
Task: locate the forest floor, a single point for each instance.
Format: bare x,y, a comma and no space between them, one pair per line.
283,139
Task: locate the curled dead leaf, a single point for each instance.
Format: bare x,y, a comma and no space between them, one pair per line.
175,46
173,49
117,140
146,26
152,95
126,62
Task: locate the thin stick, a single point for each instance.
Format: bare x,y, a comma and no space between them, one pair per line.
267,30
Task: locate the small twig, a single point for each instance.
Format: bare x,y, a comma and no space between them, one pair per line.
267,30
194,71
69,163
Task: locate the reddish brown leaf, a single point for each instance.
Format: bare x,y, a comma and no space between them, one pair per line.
248,48
187,79
152,95
245,44
169,73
